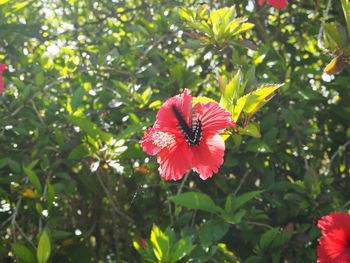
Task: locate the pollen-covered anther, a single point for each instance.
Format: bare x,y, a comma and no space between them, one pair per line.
163,139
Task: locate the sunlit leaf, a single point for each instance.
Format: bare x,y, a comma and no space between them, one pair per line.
252,129
161,244
44,248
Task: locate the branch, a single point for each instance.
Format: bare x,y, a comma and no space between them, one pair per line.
341,147
38,92
13,218
109,196
320,33
244,177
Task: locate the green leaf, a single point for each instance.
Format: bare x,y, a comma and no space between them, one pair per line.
243,28
130,130
246,44
59,138
59,234
267,238
182,248
20,5
258,98
346,9
50,195
196,200
234,203
331,31
24,254
14,165
3,162
44,248
80,152
230,94
252,129
90,128
281,239
161,244
203,27
155,104
146,95
39,79
212,231
258,146
235,218
77,97
33,178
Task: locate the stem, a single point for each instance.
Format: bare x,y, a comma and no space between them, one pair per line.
244,177
183,182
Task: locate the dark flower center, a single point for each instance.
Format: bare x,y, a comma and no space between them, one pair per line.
193,134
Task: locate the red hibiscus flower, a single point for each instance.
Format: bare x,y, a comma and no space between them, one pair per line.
186,136
334,246
275,3
2,68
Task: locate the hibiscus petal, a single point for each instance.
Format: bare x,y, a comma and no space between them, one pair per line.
278,3
334,220
261,2
208,156
214,118
334,247
175,161
166,118
334,244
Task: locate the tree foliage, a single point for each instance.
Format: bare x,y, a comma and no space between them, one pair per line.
87,77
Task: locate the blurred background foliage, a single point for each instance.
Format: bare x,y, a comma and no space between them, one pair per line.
87,77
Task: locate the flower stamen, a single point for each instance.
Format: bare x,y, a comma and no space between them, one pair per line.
163,139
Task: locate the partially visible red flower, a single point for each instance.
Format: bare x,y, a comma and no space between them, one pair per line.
275,3
334,245
186,136
142,242
2,68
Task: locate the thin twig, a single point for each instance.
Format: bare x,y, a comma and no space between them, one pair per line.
183,182
6,221
153,45
38,92
37,113
13,218
346,204
171,214
342,147
241,182
320,33
25,236
109,196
